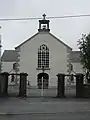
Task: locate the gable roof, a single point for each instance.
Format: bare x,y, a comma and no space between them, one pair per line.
49,34
27,40
9,56
60,41
75,56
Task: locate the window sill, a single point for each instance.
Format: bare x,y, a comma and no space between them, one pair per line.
41,68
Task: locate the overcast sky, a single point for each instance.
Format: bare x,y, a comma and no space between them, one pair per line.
68,30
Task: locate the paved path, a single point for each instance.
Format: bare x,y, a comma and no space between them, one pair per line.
37,108
44,109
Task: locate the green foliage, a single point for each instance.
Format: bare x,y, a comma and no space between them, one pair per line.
84,46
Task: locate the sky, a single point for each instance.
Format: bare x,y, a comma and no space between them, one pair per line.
68,30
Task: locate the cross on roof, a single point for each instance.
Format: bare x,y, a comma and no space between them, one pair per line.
44,16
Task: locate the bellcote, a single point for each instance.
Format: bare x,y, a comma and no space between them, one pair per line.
44,24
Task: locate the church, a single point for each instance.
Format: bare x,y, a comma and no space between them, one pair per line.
42,56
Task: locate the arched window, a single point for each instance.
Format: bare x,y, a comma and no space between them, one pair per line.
43,56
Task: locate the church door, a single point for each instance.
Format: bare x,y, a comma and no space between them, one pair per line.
45,78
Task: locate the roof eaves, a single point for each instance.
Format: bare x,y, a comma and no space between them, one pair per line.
60,41
26,40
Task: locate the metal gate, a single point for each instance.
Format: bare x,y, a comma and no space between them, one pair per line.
13,85
42,89
70,86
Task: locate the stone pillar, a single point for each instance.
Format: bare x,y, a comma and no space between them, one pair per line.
60,85
39,25
4,84
23,85
88,80
79,85
48,26
86,91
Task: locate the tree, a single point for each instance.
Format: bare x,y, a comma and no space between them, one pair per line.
84,46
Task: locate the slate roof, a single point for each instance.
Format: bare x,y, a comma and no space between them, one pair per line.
39,33
9,56
75,56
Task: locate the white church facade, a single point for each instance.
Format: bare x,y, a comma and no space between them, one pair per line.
43,55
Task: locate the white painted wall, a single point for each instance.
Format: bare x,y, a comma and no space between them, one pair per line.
7,66
28,57
77,67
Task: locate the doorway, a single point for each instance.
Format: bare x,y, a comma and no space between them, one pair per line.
45,82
